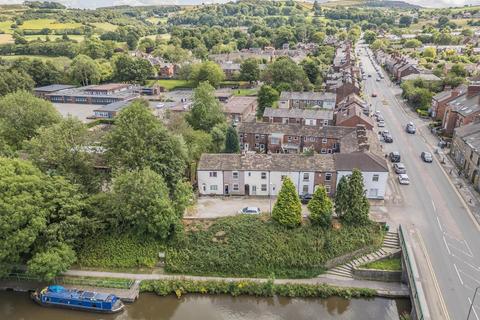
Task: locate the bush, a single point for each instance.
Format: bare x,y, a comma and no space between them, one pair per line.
252,288
288,209
247,246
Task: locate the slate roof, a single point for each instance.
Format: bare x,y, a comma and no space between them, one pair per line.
466,105
266,162
294,129
115,106
423,76
54,87
307,95
239,104
467,130
448,93
364,161
319,114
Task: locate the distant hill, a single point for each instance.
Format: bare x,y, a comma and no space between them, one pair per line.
372,3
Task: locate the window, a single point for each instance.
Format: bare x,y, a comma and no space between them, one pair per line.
306,176
289,138
262,146
249,174
375,178
235,187
305,188
213,174
296,138
213,187
323,151
324,140
325,122
264,175
327,189
329,151
256,145
328,176
262,136
264,187
241,135
257,137
235,174
312,139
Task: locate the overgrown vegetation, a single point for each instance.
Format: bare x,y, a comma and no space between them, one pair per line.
390,264
262,289
251,247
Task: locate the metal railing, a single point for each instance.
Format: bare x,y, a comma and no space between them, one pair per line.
417,294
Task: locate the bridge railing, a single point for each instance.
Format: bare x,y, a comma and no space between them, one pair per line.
419,302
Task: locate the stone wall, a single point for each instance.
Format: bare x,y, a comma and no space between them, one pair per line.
379,275
349,257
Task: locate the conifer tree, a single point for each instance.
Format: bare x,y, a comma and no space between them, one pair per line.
321,208
288,209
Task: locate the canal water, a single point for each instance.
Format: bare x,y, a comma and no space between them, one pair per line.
18,306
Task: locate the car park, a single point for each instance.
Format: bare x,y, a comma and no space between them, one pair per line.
410,128
403,179
399,168
394,156
426,156
388,138
250,210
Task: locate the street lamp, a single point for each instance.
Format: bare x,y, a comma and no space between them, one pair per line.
471,304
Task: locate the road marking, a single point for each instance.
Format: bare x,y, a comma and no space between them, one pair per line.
467,263
439,224
458,274
468,247
435,282
446,245
469,276
473,308
433,204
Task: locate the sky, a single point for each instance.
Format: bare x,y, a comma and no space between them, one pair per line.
103,3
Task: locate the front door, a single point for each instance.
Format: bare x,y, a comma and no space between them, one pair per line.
247,190
226,189
254,190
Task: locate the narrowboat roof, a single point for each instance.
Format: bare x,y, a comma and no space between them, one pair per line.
63,293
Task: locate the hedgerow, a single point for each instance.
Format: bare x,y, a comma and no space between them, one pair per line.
247,246
119,251
252,288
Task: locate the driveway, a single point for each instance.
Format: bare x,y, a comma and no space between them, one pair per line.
215,207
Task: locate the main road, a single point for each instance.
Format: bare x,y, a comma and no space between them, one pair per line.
446,235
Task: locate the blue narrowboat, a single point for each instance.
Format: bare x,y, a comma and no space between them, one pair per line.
58,296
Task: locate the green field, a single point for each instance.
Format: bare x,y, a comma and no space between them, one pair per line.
171,84
105,26
58,61
52,37
5,26
245,92
39,24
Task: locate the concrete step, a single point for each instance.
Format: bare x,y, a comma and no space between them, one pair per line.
341,273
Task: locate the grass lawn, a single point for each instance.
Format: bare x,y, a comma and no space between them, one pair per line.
390,264
39,24
106,26
5,26
249,246
52,37
96,282
59,61
6,38
172,84
245,92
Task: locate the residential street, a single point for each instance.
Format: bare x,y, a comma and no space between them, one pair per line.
430,208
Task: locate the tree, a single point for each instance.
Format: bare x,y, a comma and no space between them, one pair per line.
356,213
218,134
379,44
412,43
94,48
130,69
65,148
321,208
285,74
311,69
369,36
288,209
208,71
39,213
47,264
442,21
249,70
84,70
140,202
341,196
13,80
405,21
232,144
21,114
266,98
138,140
429,52
132,40
206,111
458,70
319,37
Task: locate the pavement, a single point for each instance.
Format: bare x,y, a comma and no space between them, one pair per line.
444,230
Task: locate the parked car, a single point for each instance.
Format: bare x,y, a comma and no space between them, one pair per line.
378,79
388,138
410,128
380,118
374,95
384,132
306,197
381,124
399,168
369,75
250,210
427,156
403,179
394,156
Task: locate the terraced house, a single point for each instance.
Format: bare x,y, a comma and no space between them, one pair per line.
264,137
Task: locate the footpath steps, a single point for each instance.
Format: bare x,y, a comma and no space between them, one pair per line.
344,271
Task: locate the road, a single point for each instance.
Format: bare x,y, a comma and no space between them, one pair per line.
431,209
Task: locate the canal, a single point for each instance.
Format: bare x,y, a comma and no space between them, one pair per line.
18,306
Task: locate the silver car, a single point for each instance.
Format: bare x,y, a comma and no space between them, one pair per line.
399,168
403,179
250,210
